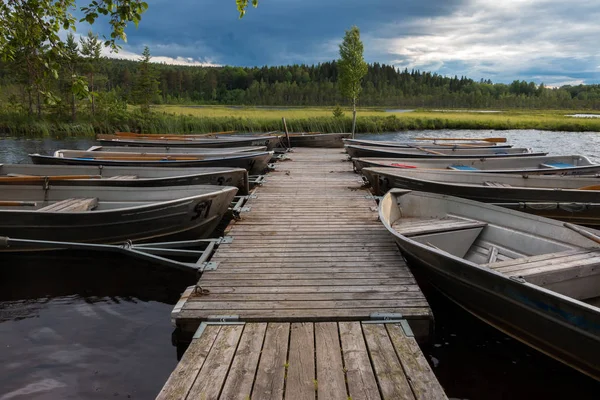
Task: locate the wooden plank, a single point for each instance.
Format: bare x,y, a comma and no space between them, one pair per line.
270,376
422,380
388,370
225,275
533,259
359,373
419,226
330,369
309,282
308,303
278,269
182,378
210,379
272,315
72,205
300,382
243,368
362,295
312,289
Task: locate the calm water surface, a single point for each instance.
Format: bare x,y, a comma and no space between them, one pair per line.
91,327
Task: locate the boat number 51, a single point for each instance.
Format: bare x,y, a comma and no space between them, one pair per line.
201,208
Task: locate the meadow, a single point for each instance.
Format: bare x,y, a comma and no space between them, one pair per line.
194,119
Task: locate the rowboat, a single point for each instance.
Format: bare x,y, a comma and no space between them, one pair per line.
178,150
534,278
432,145
111,214
255,163
220,141
83,175
568,199
329,140
489,188
355,151
552,165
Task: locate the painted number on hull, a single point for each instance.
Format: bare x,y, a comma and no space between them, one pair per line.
200,209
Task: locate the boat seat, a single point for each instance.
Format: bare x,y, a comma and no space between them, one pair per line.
72,205
568,272
462,168
557,165
496,184
122,177
422,226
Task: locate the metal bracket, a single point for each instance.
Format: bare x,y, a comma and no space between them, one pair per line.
391,318
225,240
208,266
245,209
378,318
376,198
217,320
252,196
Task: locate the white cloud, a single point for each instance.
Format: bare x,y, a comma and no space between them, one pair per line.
187,61
499,39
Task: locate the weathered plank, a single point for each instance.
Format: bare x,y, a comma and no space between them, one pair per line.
243,368
330,369
423,382
388,370
181,380
210,379
270,376
300,383
359,373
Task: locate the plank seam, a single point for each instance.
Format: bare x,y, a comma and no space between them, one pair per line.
237,345
187,393
262,345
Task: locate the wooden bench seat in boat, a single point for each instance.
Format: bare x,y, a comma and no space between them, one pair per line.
575,273
122,177
72,205
422,226
496,184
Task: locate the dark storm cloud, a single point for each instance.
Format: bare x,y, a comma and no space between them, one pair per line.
548,41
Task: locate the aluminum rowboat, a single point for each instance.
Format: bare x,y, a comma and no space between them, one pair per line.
531,277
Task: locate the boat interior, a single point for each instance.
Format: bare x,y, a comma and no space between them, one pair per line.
73,204
544,254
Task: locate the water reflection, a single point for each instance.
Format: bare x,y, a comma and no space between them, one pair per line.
16,150
78,326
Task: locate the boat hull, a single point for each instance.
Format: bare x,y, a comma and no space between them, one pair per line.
145,177
556,325
193,217
254,163
324,140
581,165
355,151
269,142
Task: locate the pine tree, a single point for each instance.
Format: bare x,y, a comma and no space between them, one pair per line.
91,49
146,83
72,59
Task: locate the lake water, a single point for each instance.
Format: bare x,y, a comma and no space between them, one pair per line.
92,327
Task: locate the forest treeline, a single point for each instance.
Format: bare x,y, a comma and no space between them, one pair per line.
114,82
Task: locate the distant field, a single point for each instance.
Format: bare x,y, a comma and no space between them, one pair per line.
376,120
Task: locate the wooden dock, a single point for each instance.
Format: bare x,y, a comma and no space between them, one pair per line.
310,274
305,360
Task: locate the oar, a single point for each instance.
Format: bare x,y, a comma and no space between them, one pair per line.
491,140
18,203
24,179
142,158
582,232
425,150
591,187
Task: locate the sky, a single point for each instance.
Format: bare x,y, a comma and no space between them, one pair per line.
551,41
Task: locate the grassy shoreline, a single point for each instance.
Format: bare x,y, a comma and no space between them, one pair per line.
178,119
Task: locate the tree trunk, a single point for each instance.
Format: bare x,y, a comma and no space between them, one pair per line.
92,86
39,103
353,116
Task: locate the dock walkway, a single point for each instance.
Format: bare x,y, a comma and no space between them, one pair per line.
311,297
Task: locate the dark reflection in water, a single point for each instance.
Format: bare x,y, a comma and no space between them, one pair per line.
92,327
16,150
473,360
